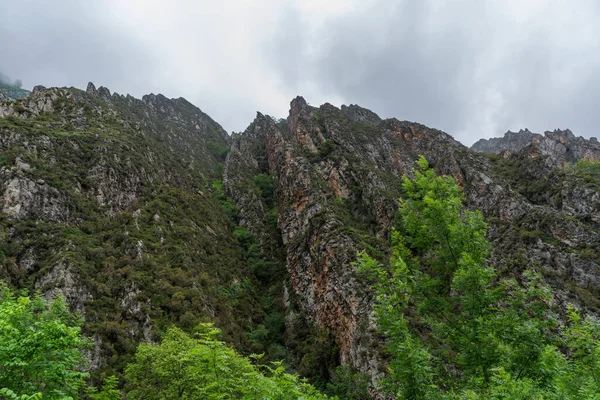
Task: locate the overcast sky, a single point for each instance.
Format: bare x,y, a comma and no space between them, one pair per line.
473,68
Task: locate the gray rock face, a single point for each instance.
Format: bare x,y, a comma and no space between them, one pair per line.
318,254
560,147
91,89
61,281
359,114
24,197
511,142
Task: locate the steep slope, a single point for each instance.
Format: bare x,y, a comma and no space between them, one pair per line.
338,173
106,200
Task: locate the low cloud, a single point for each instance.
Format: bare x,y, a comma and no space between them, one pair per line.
5,80
69,45
472,69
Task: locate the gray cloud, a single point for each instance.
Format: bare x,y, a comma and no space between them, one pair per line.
68,43
4,79
472,68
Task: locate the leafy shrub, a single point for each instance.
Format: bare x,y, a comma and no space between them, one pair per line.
205,368
266,185
41,346
41,351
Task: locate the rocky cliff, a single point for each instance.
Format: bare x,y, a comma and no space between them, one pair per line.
117,203
337,174
556,175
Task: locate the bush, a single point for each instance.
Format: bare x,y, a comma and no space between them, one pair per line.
40,346
205,368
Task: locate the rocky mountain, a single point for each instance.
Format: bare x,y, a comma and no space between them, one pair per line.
511,142
562,147
337,176
145,213
106,200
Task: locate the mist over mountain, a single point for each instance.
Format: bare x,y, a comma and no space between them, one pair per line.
12,88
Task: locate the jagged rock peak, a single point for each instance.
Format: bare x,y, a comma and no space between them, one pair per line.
359,114
154,98
510,142
298,108
38,88
3,97
257,126
91,89
261,117
104,93
298,103
559,133
559,147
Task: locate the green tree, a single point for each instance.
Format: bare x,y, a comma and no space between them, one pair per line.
182,367
109,390
454,328
348,384
40,348
266,185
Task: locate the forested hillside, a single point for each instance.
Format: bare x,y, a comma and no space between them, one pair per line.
150,221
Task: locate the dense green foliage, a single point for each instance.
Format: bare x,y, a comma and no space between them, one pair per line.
455,329
40,346
142,241
266,335
348,384
204,368
41,351
41,357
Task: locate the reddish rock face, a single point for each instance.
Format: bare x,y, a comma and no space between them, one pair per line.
338,174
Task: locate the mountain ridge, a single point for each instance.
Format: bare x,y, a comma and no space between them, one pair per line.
559,143
258,231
